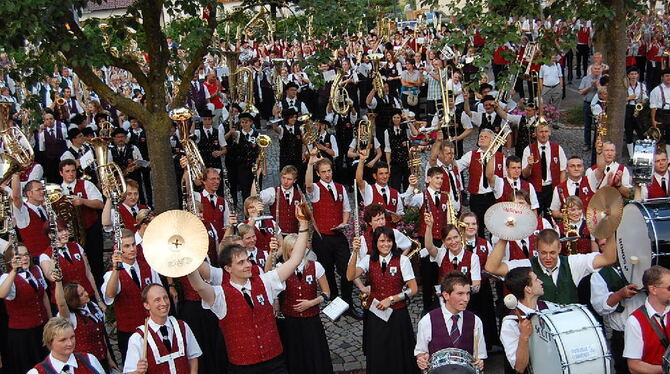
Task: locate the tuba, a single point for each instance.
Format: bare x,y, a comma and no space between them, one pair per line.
19,153
245,89
377,80
195,167
277,82
365,132
339,96
232,59
110,175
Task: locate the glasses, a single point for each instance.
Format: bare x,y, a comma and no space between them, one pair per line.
665,288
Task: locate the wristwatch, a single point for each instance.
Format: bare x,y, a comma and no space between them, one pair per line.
392,300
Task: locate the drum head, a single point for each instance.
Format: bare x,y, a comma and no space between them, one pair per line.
633,240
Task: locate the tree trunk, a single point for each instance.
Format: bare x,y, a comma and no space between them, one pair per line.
617,91
163,179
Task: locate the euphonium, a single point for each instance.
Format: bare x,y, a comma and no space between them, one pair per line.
232,59
18,154
339,97
64,209
5,108
496,143
365,132
310,132
195,166
414,163
110,175
377,80
277,82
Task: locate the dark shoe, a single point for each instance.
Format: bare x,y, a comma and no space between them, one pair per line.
355,313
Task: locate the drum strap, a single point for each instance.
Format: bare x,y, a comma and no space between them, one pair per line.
654,325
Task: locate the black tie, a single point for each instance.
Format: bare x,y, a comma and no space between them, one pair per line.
332,194
288,198
454,263
453,187
247,298
246,136
516,188
607,169
576,188
166,341
252,260
664,186
43,217
661,321
524,248
66,369
69,188
383,266
488,117
136,279
298,274
212,200
134,210
290,129
437,199
543,163
31,281
51,132
385,197
66,255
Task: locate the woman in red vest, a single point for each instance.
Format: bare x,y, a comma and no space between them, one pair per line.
23,289
390,337
59,338
302,334
86,318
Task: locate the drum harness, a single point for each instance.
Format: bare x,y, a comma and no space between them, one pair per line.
661,335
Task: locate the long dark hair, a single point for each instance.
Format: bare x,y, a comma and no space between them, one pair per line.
388,232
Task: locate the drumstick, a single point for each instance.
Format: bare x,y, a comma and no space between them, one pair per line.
144,341
475,349
634,260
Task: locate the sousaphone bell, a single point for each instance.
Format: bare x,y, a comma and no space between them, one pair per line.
175,243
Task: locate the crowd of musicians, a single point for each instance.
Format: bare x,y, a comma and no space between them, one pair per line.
254,305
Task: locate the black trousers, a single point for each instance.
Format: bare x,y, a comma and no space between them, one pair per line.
94,251
399,176
429,275
50,167
544,198
663,116
479,204
272,366
569,63
122,340
333,253
616,346
653,72
641,63
633,124
583,51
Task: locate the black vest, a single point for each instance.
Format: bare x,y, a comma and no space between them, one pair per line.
139,141
207,145
55,145
398,145
522,137
325,140
495,126
248,149
290,147
383,111
122,158
297,105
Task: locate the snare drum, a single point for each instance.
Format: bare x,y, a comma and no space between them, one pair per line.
452,361
568,340
644,232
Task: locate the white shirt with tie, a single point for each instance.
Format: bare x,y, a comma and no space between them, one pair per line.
456,178
27,275
295,130
53,132
199,133
401,241
135,344
499,188
610,169
315,195
463,163
368,195
562,159
92,192
22,216
581,265
477,118
292,103
572,186
405,266
656,98
153,278
599,295
633,343
424,332
208,200
273,286
445,254
71,363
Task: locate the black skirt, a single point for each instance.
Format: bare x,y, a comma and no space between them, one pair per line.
305,345
205,328
25,349
390,345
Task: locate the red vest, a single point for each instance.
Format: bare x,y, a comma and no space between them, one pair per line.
367,235
286,218
652,348
88,215
446,186
383,285
585,191
327,212
33,235
27,310
83,365
654,190
251,335
212,251
127,216
498,57
464,266
508,189
478,40
128,306
181,363
439,215
581,245
263,236
300,289
476,170
516,250
392,204
584,35
615,180
26,173
89,332
554,166
481,249
74,271
214,214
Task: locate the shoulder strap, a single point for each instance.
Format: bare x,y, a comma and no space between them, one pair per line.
83,358
661,336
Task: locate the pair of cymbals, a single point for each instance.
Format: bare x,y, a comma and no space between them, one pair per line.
603,215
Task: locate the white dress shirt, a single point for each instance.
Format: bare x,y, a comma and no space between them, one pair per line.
25,275
499,188
425,332
22,216
463,163
599,295
368,194
581,265
572,186
401,241
609,169
633,343
644,190
315,195
92,192
562,160
639,89
656,98
58,365
153,278
444,254
509,332
405,266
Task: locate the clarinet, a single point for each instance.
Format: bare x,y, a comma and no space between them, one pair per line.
227,195
116,227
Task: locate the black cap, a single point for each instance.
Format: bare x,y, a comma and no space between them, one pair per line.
395,111
73,133
246,115
665,71
205,113
286,113
77,119
99,116
632,69
290,85
236,106
488,98
87,131
119,130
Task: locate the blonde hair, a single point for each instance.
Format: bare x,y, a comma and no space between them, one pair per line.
248,201
55,326
287,246
244,229
574,201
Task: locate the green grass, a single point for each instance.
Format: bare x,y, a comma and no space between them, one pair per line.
573,116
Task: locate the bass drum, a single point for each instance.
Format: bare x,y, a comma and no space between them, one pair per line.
644,233
568,340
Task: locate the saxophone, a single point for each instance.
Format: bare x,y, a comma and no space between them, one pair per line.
417,248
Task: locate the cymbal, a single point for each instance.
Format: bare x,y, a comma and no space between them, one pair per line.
510,221
175,243
604,212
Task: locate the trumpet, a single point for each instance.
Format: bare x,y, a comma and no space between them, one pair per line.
496,143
